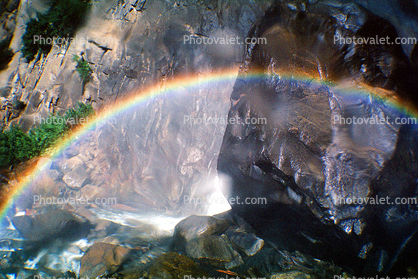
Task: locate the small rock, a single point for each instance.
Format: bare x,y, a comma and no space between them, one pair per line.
89,155
76,177
71,163
90,165
83,158
247,242
101,258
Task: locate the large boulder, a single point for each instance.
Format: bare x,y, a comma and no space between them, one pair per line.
195,226
48,225
301,163
202,237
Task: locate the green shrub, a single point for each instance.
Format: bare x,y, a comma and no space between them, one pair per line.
16,146
83,68
48,133
82,111
60,21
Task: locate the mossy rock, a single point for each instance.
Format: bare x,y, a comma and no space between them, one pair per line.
174,265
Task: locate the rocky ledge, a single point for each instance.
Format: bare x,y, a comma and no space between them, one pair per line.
76,247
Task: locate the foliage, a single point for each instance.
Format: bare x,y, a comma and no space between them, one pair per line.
17,146
83,68
35,27
60,21
48,133
82,111
6,54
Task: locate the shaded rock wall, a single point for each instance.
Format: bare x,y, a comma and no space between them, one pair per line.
303,162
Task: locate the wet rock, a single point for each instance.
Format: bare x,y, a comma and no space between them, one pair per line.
85,212
270,261
201,237
195,226
325,35
51,224
241,234
102,258
105,228
302,163
249,243
214,249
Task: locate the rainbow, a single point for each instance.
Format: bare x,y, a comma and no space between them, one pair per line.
140,96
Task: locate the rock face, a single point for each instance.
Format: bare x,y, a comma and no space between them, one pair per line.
127,44
302,162
149,157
